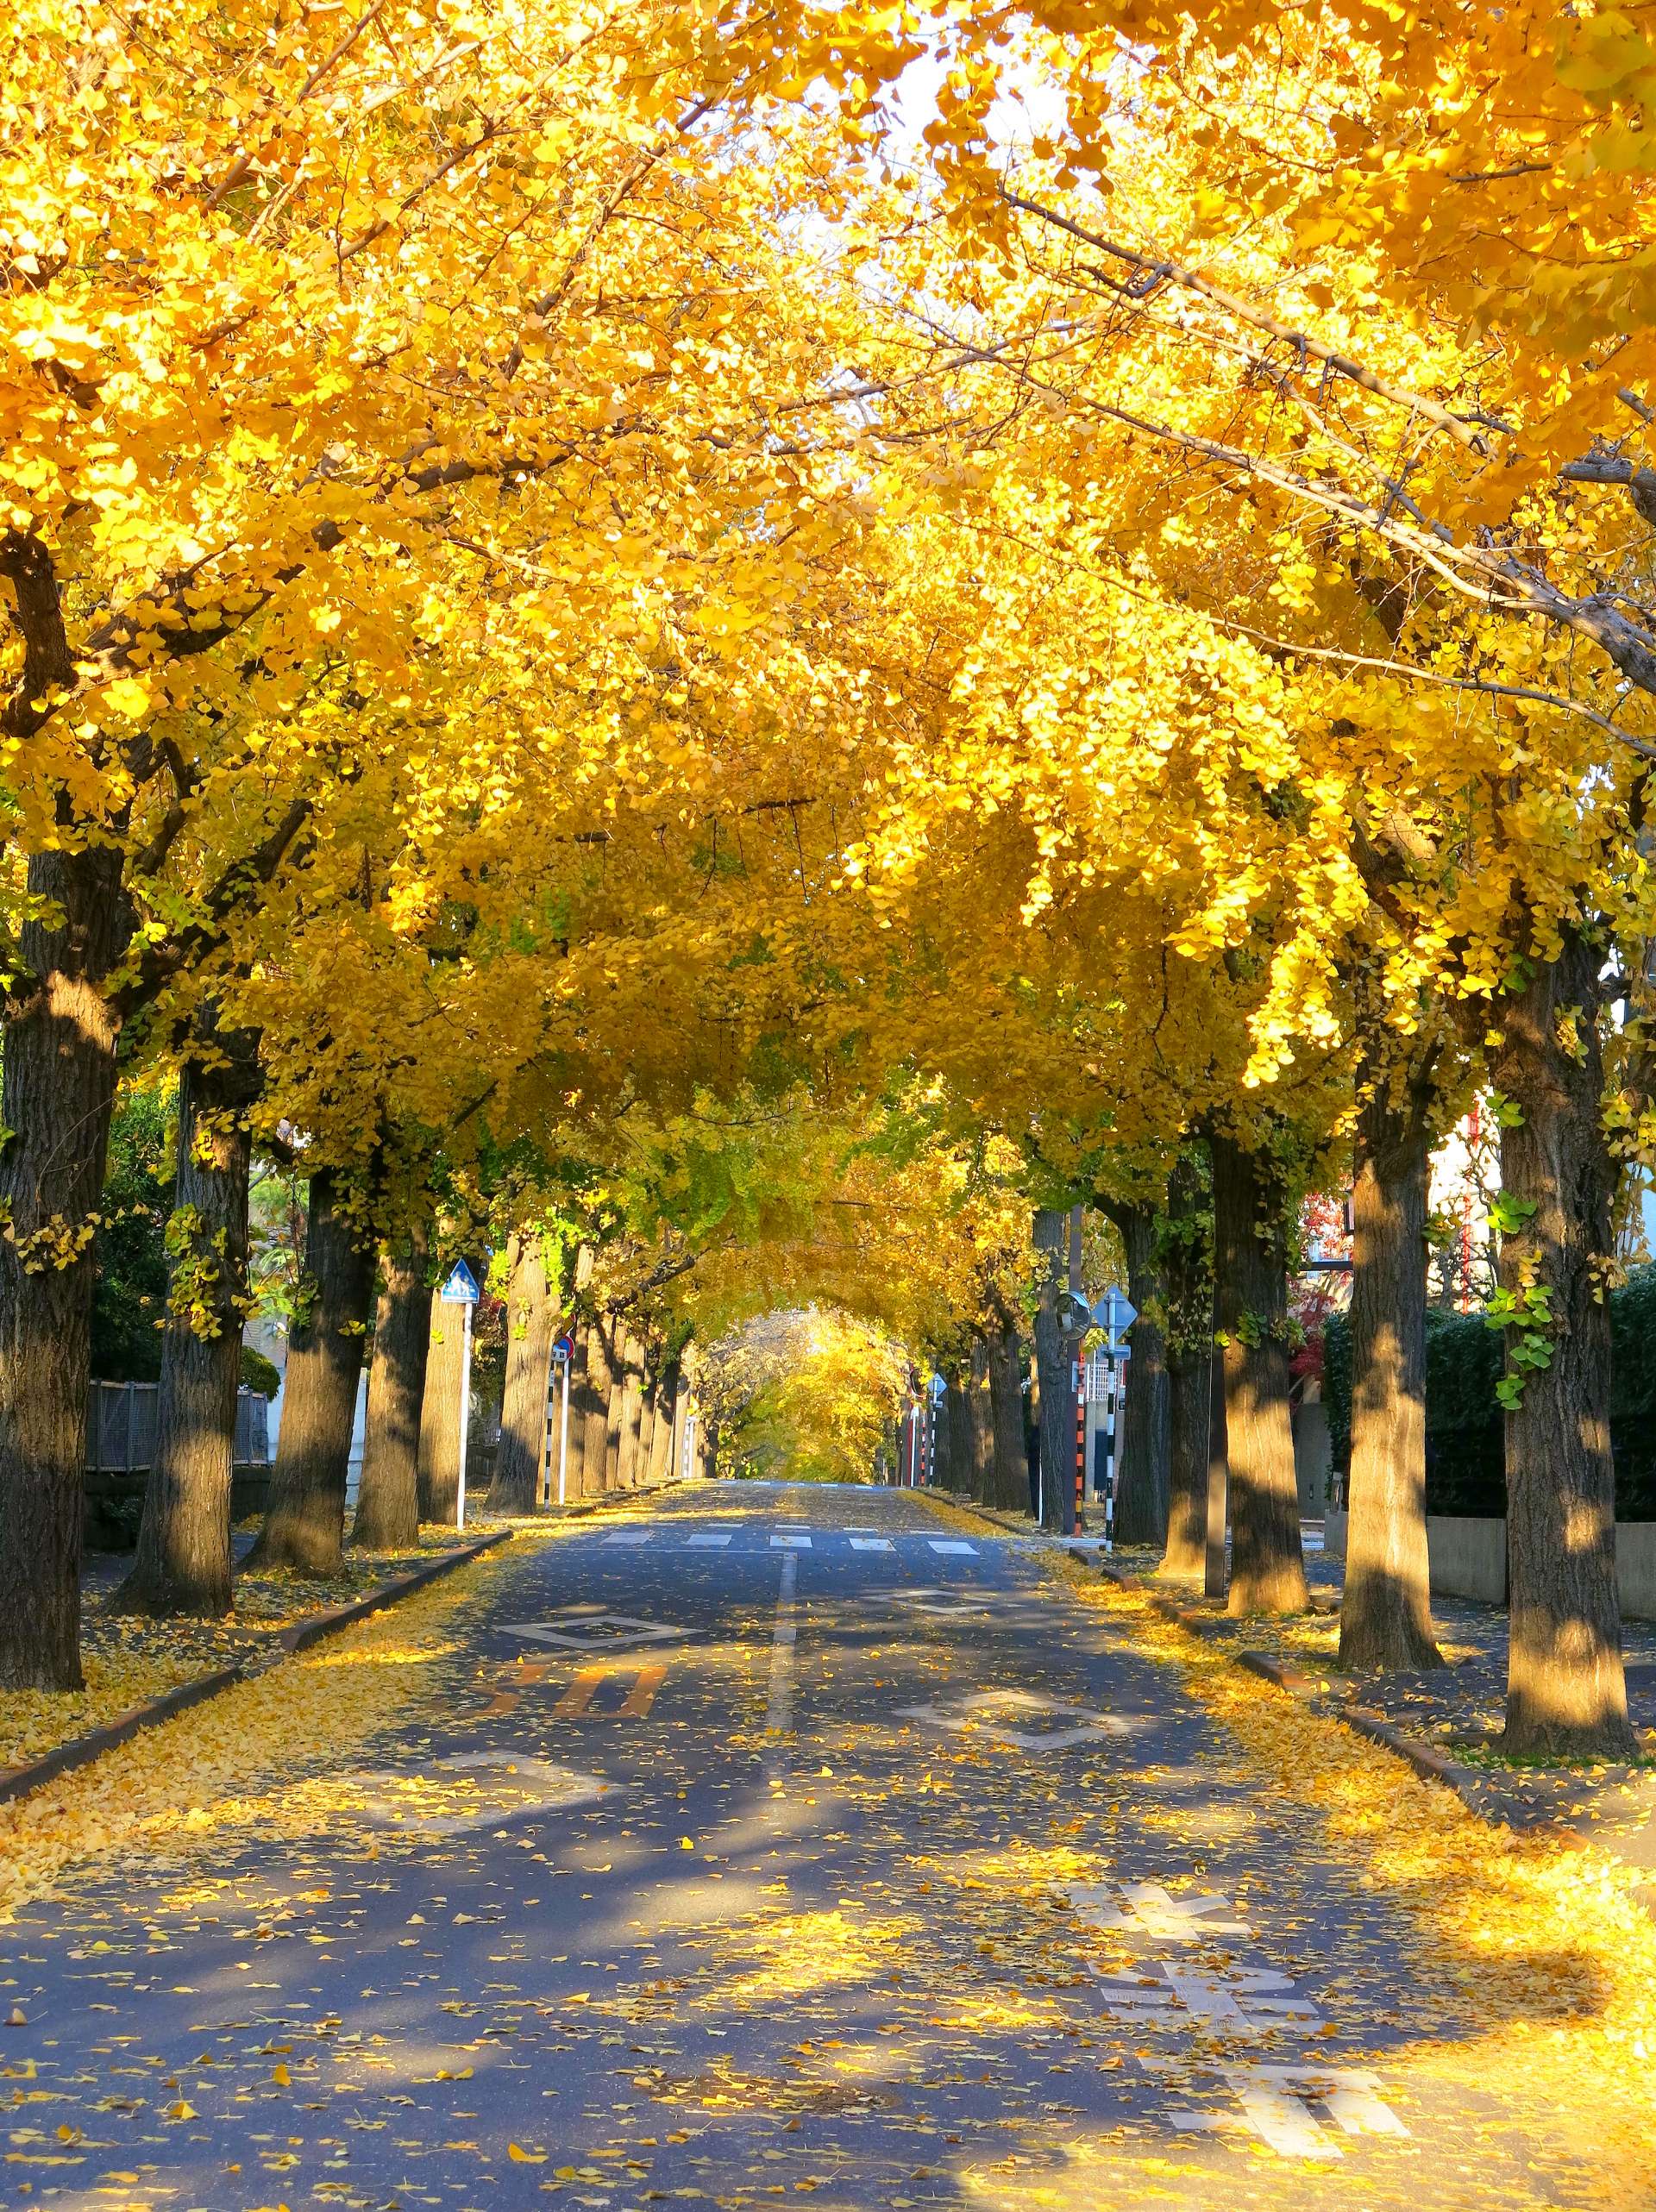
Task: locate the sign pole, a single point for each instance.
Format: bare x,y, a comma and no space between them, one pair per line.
563,1433
465,1409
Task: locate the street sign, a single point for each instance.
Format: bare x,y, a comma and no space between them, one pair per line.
1115,1314
460,1289
563,1351
939,1389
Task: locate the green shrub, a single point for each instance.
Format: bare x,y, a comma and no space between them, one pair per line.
1464,1469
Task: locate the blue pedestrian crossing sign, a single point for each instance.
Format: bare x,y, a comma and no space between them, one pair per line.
460,1289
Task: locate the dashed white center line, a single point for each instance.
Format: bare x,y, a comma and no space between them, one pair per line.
779,1710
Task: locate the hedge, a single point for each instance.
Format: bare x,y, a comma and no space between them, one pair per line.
1464,1464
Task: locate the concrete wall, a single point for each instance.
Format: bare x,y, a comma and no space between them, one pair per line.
1469,1559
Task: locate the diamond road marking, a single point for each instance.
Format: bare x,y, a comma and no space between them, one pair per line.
477,1789
1192,1917
953,1543
788,1540
932,1600
589,1628
1085,1726
871,1544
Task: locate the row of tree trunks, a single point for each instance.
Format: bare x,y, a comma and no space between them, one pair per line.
1186,1281
1251,1227
182,1564
305,1522
530,1325
388,1501
57,1094
1144,1486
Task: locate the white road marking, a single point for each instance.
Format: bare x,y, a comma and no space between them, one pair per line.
705,1538
871,1544
1085,1726
779,1709
788,1540
1248,2002
589,1628
629,1535
1282,2106
1191,1917
954,1543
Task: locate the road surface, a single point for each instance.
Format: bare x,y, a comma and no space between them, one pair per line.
770,1843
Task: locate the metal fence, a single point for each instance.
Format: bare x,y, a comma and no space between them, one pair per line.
121,1428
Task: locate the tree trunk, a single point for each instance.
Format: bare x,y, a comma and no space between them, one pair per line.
1566,1696
1251,1265
681,1394
388,1502
630,1415
1009,1484
600,1388
661,1436
1386,1615
304,1525
957,1410
1144,1481
980,1425
58,1093
1052,1356
445,1372
1186,1259
529,1331
183,1560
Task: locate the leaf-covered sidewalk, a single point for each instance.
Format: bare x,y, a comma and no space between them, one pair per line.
1456,1709
129,1660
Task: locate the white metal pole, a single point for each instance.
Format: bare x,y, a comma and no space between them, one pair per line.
465,1410
563,1433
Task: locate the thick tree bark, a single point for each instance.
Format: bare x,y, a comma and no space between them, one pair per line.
1009,1486
529,1331
304,1524
1385,1616
979,1411
58,1093
661,1435
1251,1266
1053,1352
957,1409
1186,1258
600,1388
439,1459
681,1396
630,1420
1567,1696
1144,1480
388,1501
183,1560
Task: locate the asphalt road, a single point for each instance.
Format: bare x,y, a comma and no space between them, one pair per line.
771,1843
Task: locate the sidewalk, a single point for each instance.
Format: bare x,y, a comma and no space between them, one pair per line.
1447,1715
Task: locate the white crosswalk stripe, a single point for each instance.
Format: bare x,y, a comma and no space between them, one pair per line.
871,1544
952,1544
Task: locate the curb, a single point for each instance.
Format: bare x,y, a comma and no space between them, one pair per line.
20,1781
304,1633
